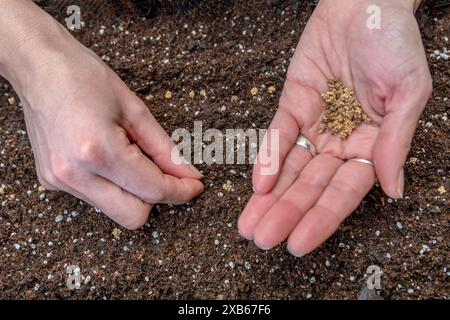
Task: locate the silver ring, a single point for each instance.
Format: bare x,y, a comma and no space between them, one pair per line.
305,143
370,163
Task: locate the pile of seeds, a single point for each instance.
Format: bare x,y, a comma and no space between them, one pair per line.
343,112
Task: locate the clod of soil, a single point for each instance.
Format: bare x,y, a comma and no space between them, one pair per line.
343,111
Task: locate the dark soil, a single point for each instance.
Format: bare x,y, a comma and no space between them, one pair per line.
194,251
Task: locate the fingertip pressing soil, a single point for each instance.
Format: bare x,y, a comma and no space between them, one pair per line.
222,55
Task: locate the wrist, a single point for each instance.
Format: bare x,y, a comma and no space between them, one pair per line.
28,35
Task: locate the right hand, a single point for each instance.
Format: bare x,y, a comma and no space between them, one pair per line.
94,138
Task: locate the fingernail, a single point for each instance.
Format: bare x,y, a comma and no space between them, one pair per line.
401,183
263,247
196,171
243,236
295,254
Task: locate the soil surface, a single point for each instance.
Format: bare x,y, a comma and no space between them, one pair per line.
194,250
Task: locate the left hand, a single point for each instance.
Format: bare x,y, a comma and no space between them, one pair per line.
308,198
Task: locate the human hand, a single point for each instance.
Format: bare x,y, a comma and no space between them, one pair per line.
308,198
91,136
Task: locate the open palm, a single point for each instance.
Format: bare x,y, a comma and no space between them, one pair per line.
309,197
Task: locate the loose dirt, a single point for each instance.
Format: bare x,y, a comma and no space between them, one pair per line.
194,250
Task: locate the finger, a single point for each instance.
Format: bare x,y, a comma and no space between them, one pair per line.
299,107
154,141
394,139
140,176
118,204
127,167
279,139
286,213
259,204
347,188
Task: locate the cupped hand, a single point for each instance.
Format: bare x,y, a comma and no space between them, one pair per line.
93,138
307,199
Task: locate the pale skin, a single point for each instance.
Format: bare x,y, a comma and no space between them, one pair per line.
309,197
92,137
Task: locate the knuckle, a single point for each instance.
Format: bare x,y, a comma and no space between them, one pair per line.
332,215
293,162
343,187
137,109
312,180
90,151
63,170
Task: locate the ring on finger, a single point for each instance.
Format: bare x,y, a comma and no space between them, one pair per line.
303,142
361,160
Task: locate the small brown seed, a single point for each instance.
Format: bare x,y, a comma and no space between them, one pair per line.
343,112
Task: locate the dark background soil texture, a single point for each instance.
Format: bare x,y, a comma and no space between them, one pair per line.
194,250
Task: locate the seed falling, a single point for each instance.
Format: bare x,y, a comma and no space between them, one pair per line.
343,111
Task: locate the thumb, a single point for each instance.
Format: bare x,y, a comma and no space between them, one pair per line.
154,141
394,139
